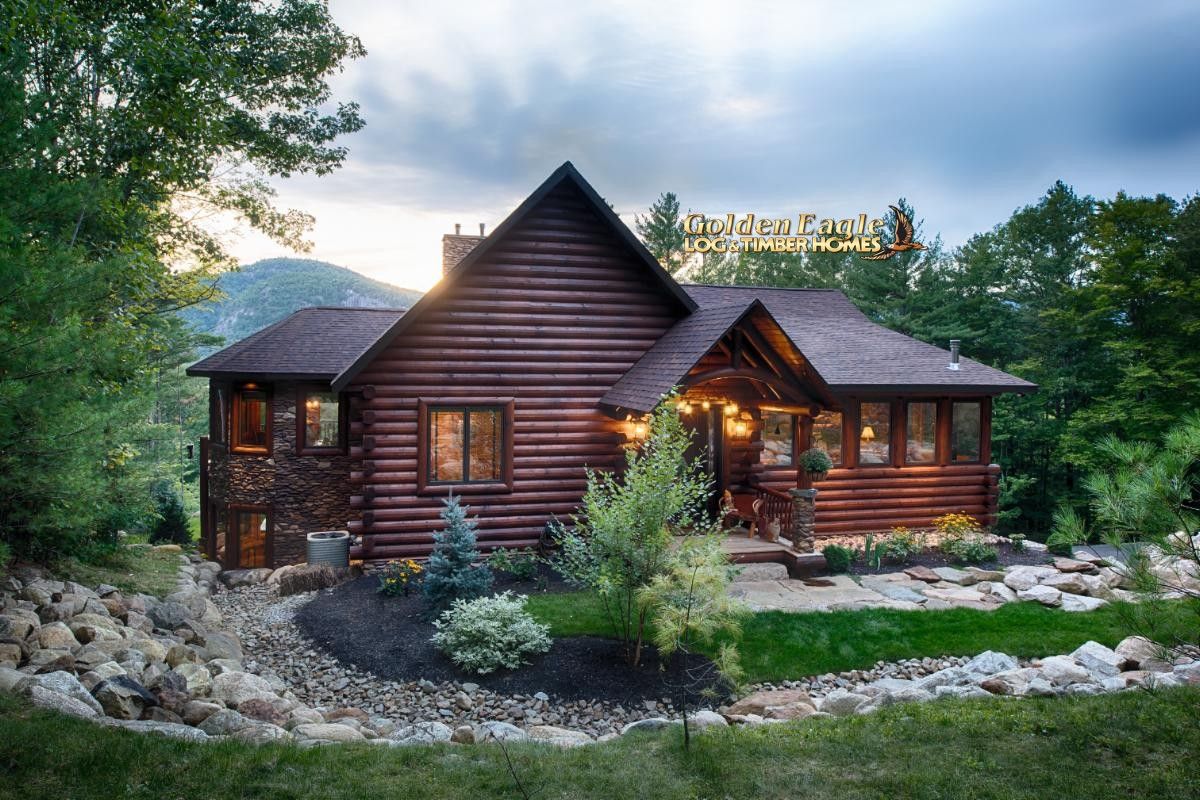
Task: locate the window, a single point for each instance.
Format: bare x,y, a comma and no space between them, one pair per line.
251,426
251,529
921,432
465,445
777,439
965,432
875,433
827,434
320,422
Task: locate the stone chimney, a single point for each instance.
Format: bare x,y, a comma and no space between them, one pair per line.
456,246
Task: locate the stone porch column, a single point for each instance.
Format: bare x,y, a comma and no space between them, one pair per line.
804,518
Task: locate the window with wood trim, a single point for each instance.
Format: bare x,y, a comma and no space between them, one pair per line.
250,430
966,431
319,415
466,444
921,433
827,435
250,527
778,435
875,433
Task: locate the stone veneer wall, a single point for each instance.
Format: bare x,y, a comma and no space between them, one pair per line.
304,493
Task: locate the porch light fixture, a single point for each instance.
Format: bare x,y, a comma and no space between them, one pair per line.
868,434
706,405
731,410
740,429
640,430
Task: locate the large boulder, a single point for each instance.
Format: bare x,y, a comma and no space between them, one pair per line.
842,703
956,576
223,722
63,683
775,704
172,730
123,698
1062,671
62,703
196,678
653,724
1021,578
1138,652
327,732
259,709
234,688
1014,682
17,626
196,711
421,733
1066,582
57,636
565,737
990,662
1045,595
1098,660
1079,603
237,578
169,615
221,645
503,731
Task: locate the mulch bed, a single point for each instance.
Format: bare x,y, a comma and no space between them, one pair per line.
388,637
1007,557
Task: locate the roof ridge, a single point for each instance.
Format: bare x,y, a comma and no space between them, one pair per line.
759,288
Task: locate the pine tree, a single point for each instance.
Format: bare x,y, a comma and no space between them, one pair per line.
452,573
172,524
662,231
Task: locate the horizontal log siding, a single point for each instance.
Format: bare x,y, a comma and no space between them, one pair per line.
871,499
552,318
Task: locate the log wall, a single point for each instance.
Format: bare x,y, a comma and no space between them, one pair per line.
553,316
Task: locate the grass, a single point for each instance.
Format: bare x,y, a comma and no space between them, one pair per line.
1127,745
132,569
777,645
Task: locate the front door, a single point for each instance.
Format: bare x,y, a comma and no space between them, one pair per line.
708,444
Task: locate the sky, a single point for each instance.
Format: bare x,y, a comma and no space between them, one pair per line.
969,110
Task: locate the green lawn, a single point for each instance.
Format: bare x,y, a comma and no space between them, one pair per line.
1128,745
776,645
134,569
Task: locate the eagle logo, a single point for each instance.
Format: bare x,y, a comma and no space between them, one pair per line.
903,240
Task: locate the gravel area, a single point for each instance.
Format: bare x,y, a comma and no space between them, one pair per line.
1006,557
275,645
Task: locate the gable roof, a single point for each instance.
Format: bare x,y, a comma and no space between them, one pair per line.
566,172
309,344
852,353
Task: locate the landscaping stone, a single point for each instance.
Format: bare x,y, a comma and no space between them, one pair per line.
223,722
762,572
842,703
170,730
1138,652
502,731
652,724
57,636
956,576
1075,602
463,734
425,733
1066,582
1062,670
922,573
704,719
236,578
1072,565
990,662
169,615
1045,595
57,701
1022,578
563,737
774,704
234,688
259,709
123,698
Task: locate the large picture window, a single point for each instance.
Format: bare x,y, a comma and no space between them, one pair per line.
777,435
827,435
921,433
966,432
469,444
251,428
875,433
320,422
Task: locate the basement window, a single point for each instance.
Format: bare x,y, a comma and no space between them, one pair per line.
251,427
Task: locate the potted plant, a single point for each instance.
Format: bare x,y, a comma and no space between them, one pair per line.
816,462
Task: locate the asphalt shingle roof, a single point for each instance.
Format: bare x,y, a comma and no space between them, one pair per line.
312,343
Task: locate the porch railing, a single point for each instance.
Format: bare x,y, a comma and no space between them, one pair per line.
776,505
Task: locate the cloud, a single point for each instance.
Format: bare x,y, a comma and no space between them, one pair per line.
969,110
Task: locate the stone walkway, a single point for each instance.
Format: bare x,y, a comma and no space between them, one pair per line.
1082,584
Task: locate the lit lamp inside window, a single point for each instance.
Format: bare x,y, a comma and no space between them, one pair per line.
731,410
868,434
741,429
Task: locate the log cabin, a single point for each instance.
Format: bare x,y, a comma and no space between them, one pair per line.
537,357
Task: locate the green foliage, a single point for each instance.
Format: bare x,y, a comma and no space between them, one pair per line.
838,558
5,557
621,538
120,130
399,577
490,633
521,563
452,573
662,232
1069,530
690,605
871,555
815,460
970,550
1017,540
172,523
899,546
259,294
